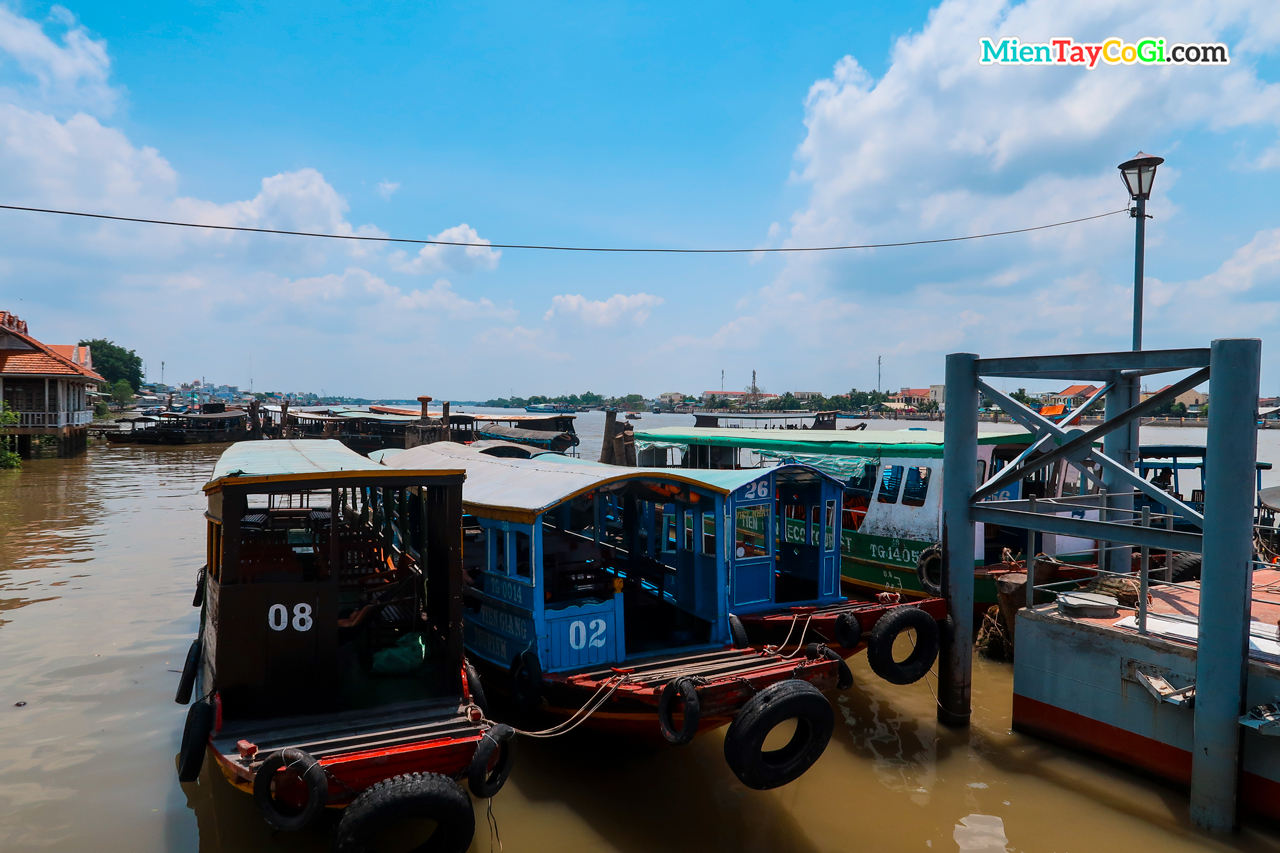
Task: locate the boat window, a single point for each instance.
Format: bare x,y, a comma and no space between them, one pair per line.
498,551
866,484
751,528
709,532
890,484
816,524
830,541
524,555
793,523
917,487
982,472
855,510
669,539
688,531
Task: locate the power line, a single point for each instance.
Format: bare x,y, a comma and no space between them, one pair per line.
554,248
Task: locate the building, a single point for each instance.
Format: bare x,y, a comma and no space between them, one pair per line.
1073,396
1192,399
938,394
671,398
736,396
50,387
911,397
806,395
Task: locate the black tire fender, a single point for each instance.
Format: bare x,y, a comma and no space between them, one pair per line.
886,630
198,599
476,689
189,671
1186,567
526,679
844,675
738,633
485,783
195,739
408,797
848,631
685,689
312,775
929,570
785,700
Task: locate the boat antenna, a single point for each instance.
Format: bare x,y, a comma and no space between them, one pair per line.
878,374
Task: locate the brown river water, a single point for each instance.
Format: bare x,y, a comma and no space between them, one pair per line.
98,556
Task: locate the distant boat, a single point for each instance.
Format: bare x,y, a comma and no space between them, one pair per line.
632,416
551,408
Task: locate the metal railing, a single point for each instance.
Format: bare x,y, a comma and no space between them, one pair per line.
53,420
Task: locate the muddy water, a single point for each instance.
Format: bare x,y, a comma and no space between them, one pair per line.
97,559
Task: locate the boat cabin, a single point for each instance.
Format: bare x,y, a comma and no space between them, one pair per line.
323,567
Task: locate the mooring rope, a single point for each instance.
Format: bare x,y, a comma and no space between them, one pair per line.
592,705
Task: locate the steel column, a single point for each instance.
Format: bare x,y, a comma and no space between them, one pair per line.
959,462
1119,445
1225,585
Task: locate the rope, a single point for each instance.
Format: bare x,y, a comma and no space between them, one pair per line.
492,820
800,644
585,711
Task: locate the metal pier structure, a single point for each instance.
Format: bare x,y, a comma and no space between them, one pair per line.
1167,689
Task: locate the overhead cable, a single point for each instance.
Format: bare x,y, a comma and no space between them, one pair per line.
370,239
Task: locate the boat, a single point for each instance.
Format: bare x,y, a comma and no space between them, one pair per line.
213,424
633,416
329,667
551,408
892,503
553,432
580,609
362,430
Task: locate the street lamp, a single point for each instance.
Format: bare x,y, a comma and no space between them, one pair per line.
1139,174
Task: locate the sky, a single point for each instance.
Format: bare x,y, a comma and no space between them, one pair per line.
710,125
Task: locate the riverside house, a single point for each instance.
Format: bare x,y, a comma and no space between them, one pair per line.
48,386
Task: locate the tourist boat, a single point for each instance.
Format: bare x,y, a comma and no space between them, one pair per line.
892,503
551,408
329,668
213,424
362,430
580,608
553,432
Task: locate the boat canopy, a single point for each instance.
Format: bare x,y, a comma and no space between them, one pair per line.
264,461
522,489
871,445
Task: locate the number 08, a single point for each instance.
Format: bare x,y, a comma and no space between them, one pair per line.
278,617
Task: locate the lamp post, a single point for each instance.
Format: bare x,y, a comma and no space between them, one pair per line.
1139,174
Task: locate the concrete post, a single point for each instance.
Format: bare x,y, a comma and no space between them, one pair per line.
959,467
1120,445
1225,584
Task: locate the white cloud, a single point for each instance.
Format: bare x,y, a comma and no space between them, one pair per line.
72,74
475,256
635,308
386,189
441,299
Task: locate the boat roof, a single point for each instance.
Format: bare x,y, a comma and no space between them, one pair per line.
206,416
248,462
922,443
522,489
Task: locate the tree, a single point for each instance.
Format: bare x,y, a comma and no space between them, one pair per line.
1025,399
114,363
122,393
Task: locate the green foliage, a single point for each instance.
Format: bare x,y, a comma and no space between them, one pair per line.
8,459
1025,399
122,393
114,363
100,410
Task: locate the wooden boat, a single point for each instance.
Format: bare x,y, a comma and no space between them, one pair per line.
585,606
329,666
213,424
892,503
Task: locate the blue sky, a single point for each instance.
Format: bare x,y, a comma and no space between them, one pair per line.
625,124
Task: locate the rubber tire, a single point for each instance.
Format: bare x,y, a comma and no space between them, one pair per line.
928,557
317,789
412,795
476,689
195,739
785,700
189,671
526,679
1186,566
486,783
848,631
687,691
844,675
887,629
738,632
198,599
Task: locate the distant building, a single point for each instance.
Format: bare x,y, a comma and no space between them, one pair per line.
671,398
938,394
1192,399
737,396
50,387
1073,396
806,395
911,397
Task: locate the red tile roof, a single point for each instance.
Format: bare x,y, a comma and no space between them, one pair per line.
1078,391
36,359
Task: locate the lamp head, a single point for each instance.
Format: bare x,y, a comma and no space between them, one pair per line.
1139,174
